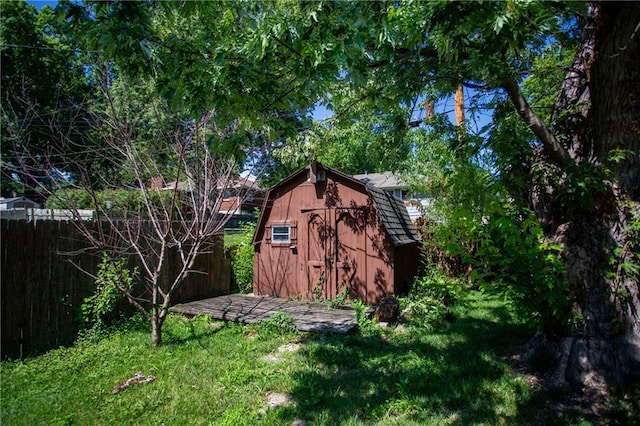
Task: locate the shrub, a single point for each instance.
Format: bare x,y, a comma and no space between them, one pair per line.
99,307
431,298
366,325
514,258
242,259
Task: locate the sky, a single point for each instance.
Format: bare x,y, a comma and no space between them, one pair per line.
39,4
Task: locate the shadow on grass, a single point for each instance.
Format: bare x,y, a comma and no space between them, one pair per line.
196,329
459,376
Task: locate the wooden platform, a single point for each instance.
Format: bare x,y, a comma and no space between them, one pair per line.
308,316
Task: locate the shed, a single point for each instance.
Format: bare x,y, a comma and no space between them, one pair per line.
322,232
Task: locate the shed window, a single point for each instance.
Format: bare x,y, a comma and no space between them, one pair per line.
281,234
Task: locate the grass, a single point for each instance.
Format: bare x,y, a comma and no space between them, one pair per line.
232,237
210,372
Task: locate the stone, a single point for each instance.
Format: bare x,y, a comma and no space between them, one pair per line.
277,399
387,310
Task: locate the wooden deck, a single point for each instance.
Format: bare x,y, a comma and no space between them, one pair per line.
308,316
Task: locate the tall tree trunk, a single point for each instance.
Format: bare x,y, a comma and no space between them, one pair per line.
600,105
459,107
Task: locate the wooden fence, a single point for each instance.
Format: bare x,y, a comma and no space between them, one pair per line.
41,291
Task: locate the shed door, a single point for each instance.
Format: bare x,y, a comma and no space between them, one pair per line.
321,254
336,258
349,246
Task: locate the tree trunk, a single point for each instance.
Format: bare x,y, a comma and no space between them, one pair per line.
156,328
600,101
459,107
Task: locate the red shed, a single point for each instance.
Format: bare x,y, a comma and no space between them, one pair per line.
322,231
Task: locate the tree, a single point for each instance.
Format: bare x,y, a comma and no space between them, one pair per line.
582,163
180,216
353,143
43,80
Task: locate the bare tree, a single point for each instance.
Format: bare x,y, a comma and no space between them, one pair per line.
182,216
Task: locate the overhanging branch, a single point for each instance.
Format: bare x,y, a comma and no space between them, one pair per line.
550,143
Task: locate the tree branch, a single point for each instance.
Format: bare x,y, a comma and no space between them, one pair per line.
550,143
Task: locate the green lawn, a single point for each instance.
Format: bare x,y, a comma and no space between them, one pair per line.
232,237
210,372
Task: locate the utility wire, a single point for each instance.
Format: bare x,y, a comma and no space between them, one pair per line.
65,49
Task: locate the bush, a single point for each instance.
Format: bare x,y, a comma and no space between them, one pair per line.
431,298
242,259
99,309
515,259
120,200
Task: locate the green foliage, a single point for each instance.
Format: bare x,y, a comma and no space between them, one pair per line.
452,175
341,298
366,326
353,143
118,200
99,307
624,261
431,299
515,258
242,258
279,322
37,104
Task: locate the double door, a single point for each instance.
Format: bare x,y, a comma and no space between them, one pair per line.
335,240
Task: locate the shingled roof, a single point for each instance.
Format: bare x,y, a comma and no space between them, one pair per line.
394,216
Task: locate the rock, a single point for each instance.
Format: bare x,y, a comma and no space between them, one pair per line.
387,310
277,399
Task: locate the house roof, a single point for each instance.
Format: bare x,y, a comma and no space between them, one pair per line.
244,182
391,210
10,200
384,180
236,183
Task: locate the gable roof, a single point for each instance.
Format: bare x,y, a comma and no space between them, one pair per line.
391,210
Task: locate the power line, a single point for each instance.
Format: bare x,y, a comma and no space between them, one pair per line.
64,49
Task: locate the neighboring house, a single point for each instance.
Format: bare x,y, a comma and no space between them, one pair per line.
322,232
17,203
240,198
388,181
22,208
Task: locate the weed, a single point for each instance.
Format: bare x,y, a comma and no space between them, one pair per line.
432,298
242,258
366,325
279,321
98,309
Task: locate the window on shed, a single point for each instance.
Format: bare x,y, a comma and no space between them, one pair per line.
281,234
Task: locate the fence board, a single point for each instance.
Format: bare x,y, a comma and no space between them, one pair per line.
42,291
